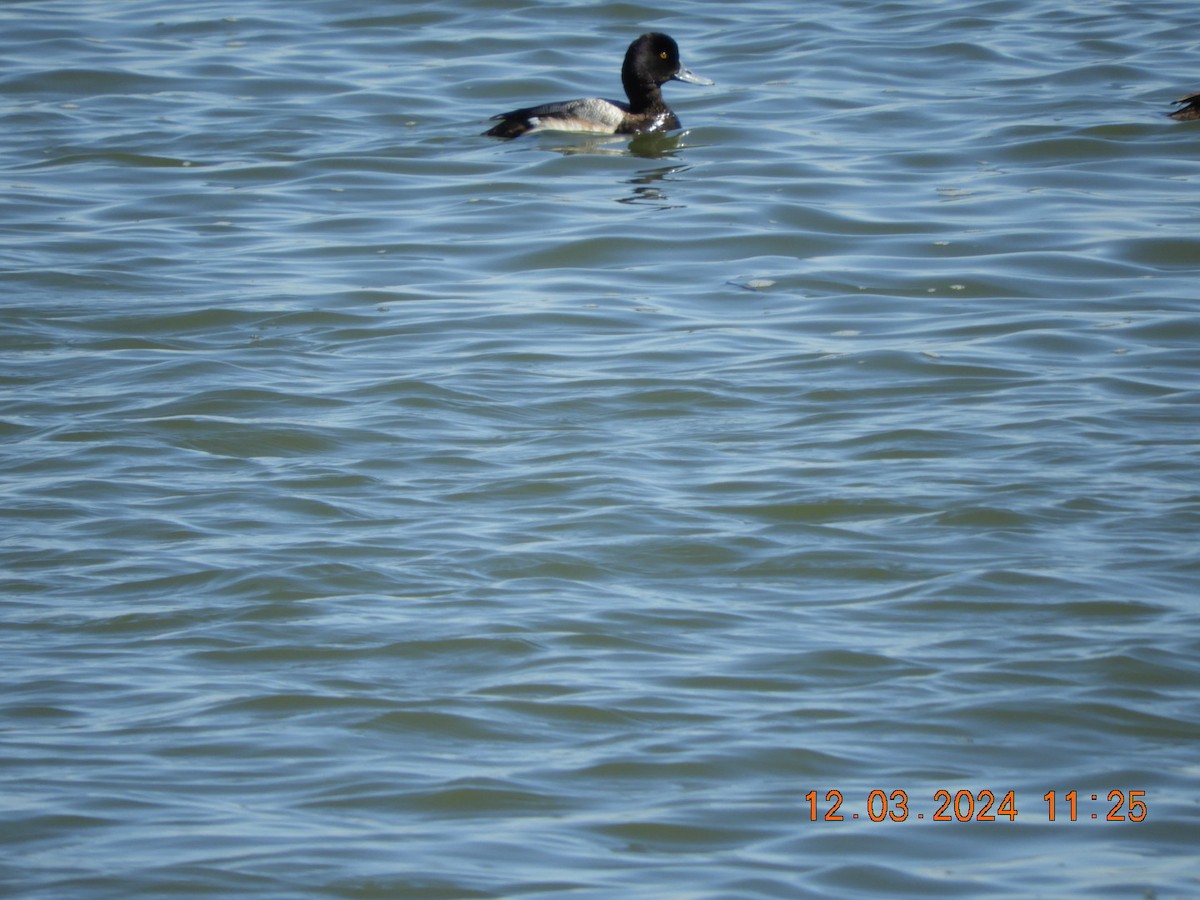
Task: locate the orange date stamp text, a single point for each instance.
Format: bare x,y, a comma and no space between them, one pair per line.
964,805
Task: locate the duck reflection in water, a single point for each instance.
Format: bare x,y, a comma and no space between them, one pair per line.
647,190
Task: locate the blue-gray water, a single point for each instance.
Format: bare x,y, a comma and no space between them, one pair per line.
395,512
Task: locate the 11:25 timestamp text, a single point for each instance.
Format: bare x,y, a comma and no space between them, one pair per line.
979,806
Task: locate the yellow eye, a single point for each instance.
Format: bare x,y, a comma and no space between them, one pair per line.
664,55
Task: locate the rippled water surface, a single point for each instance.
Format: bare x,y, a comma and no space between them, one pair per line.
391,511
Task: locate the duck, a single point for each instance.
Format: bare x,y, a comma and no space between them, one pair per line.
650,62
1190,108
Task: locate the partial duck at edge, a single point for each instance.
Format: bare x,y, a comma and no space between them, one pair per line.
1189,107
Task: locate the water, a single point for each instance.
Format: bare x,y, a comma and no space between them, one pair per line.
394,512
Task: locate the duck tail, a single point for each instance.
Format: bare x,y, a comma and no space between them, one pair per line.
1189,108
511,125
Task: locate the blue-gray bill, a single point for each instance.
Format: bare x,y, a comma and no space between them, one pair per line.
691,77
